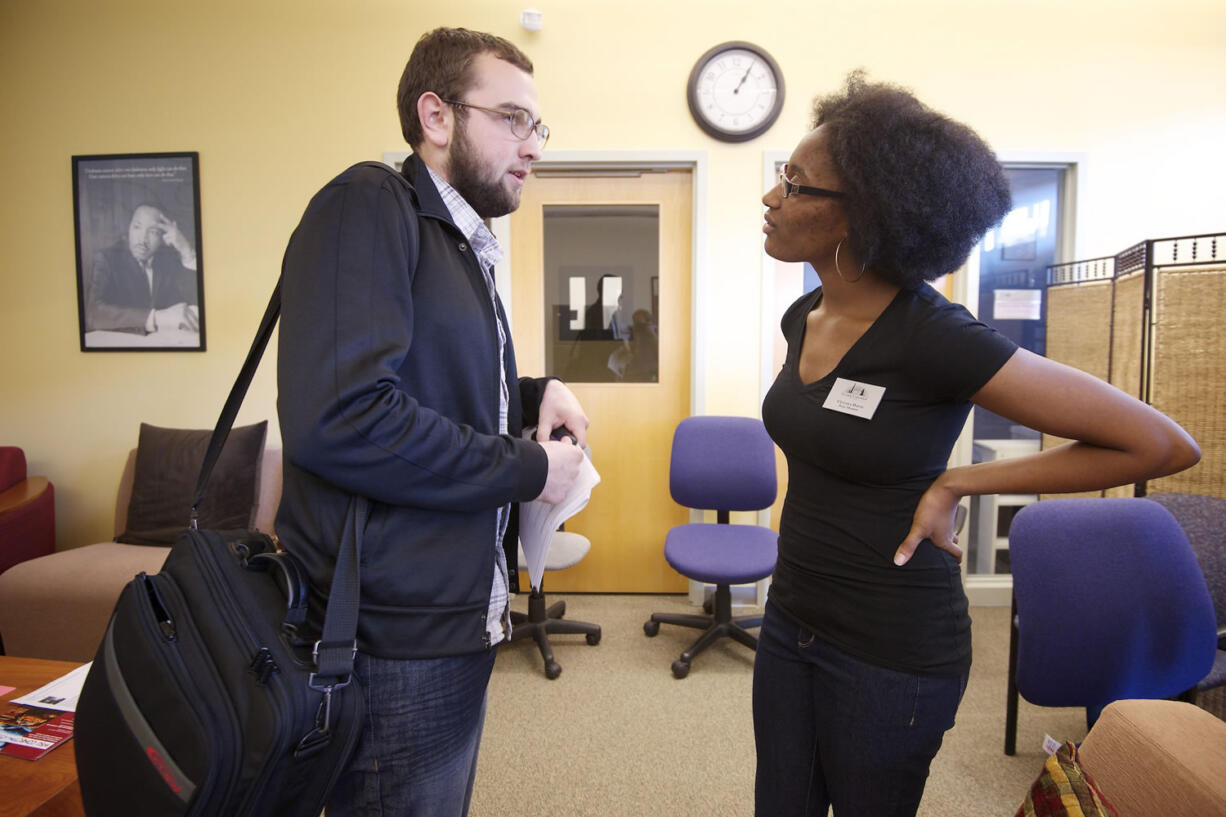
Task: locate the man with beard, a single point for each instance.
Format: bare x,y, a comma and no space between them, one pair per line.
146,281
397,384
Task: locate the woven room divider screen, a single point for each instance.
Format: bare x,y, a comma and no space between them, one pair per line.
1187,369
1152,322
1080,317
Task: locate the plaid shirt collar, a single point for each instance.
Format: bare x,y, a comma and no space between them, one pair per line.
465,217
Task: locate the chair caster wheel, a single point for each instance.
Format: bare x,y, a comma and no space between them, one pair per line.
552,670
681,669
652,628
593,639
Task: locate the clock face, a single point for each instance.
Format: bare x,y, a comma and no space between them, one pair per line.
735,92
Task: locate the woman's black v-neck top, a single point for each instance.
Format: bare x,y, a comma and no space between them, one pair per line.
854,482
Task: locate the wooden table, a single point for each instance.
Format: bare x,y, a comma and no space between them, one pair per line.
46,787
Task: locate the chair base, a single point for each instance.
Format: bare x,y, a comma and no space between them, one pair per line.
539,622
716,626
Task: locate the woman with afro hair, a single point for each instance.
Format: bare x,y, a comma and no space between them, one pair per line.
865,646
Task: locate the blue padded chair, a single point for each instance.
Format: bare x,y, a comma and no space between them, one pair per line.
1203,519
720,464
1109,603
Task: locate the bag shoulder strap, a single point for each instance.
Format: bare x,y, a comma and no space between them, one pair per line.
334,652
237,392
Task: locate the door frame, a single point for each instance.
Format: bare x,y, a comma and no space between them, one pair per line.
629,162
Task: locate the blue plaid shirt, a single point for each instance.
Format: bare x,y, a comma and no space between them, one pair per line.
489,253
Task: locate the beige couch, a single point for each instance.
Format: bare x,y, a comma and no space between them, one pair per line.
1158,759
57,606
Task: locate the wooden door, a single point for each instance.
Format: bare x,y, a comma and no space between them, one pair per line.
571,241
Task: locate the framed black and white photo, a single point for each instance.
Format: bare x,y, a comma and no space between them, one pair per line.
140,280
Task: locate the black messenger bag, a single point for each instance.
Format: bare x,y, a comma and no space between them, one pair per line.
207,696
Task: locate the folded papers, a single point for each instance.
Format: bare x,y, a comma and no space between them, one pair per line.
538,521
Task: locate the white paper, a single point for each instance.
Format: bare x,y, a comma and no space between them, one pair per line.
62,693
538,521
1017,305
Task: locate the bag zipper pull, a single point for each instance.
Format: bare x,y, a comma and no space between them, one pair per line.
165,623
262,666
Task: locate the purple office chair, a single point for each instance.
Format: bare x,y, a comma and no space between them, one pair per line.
722,464
1109,603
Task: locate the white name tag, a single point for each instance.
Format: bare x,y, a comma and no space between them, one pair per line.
854,398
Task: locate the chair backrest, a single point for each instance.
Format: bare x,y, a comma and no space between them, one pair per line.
1203,519
267,491
722,464
12,466
1111,603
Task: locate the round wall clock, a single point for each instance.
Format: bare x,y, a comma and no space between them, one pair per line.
735,91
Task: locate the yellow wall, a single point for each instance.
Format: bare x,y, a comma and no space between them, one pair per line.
279,95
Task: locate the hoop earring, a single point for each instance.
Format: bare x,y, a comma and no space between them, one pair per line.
839,271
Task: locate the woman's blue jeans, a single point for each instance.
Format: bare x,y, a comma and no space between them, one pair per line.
834,730
417,756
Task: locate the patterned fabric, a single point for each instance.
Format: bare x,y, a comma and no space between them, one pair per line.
489,253
1064,789
1203,519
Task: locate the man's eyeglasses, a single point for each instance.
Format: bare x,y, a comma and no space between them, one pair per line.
791,188
520,121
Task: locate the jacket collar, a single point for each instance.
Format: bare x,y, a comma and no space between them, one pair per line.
429,202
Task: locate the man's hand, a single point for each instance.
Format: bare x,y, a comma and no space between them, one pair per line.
180,316
560,407
564,461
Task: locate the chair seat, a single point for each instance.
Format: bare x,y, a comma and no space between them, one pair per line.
566,549
722,554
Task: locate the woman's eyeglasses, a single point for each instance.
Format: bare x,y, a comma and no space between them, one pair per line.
791,188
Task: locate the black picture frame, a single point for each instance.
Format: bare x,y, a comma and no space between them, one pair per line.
140,266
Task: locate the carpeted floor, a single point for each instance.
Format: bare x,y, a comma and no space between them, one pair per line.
617,736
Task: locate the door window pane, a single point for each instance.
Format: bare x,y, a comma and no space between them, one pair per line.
602,278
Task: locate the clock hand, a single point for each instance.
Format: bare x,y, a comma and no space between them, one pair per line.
737,89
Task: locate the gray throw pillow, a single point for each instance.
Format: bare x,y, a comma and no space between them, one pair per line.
168,464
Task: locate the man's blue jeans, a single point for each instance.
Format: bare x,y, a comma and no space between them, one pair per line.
834,730
417,756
